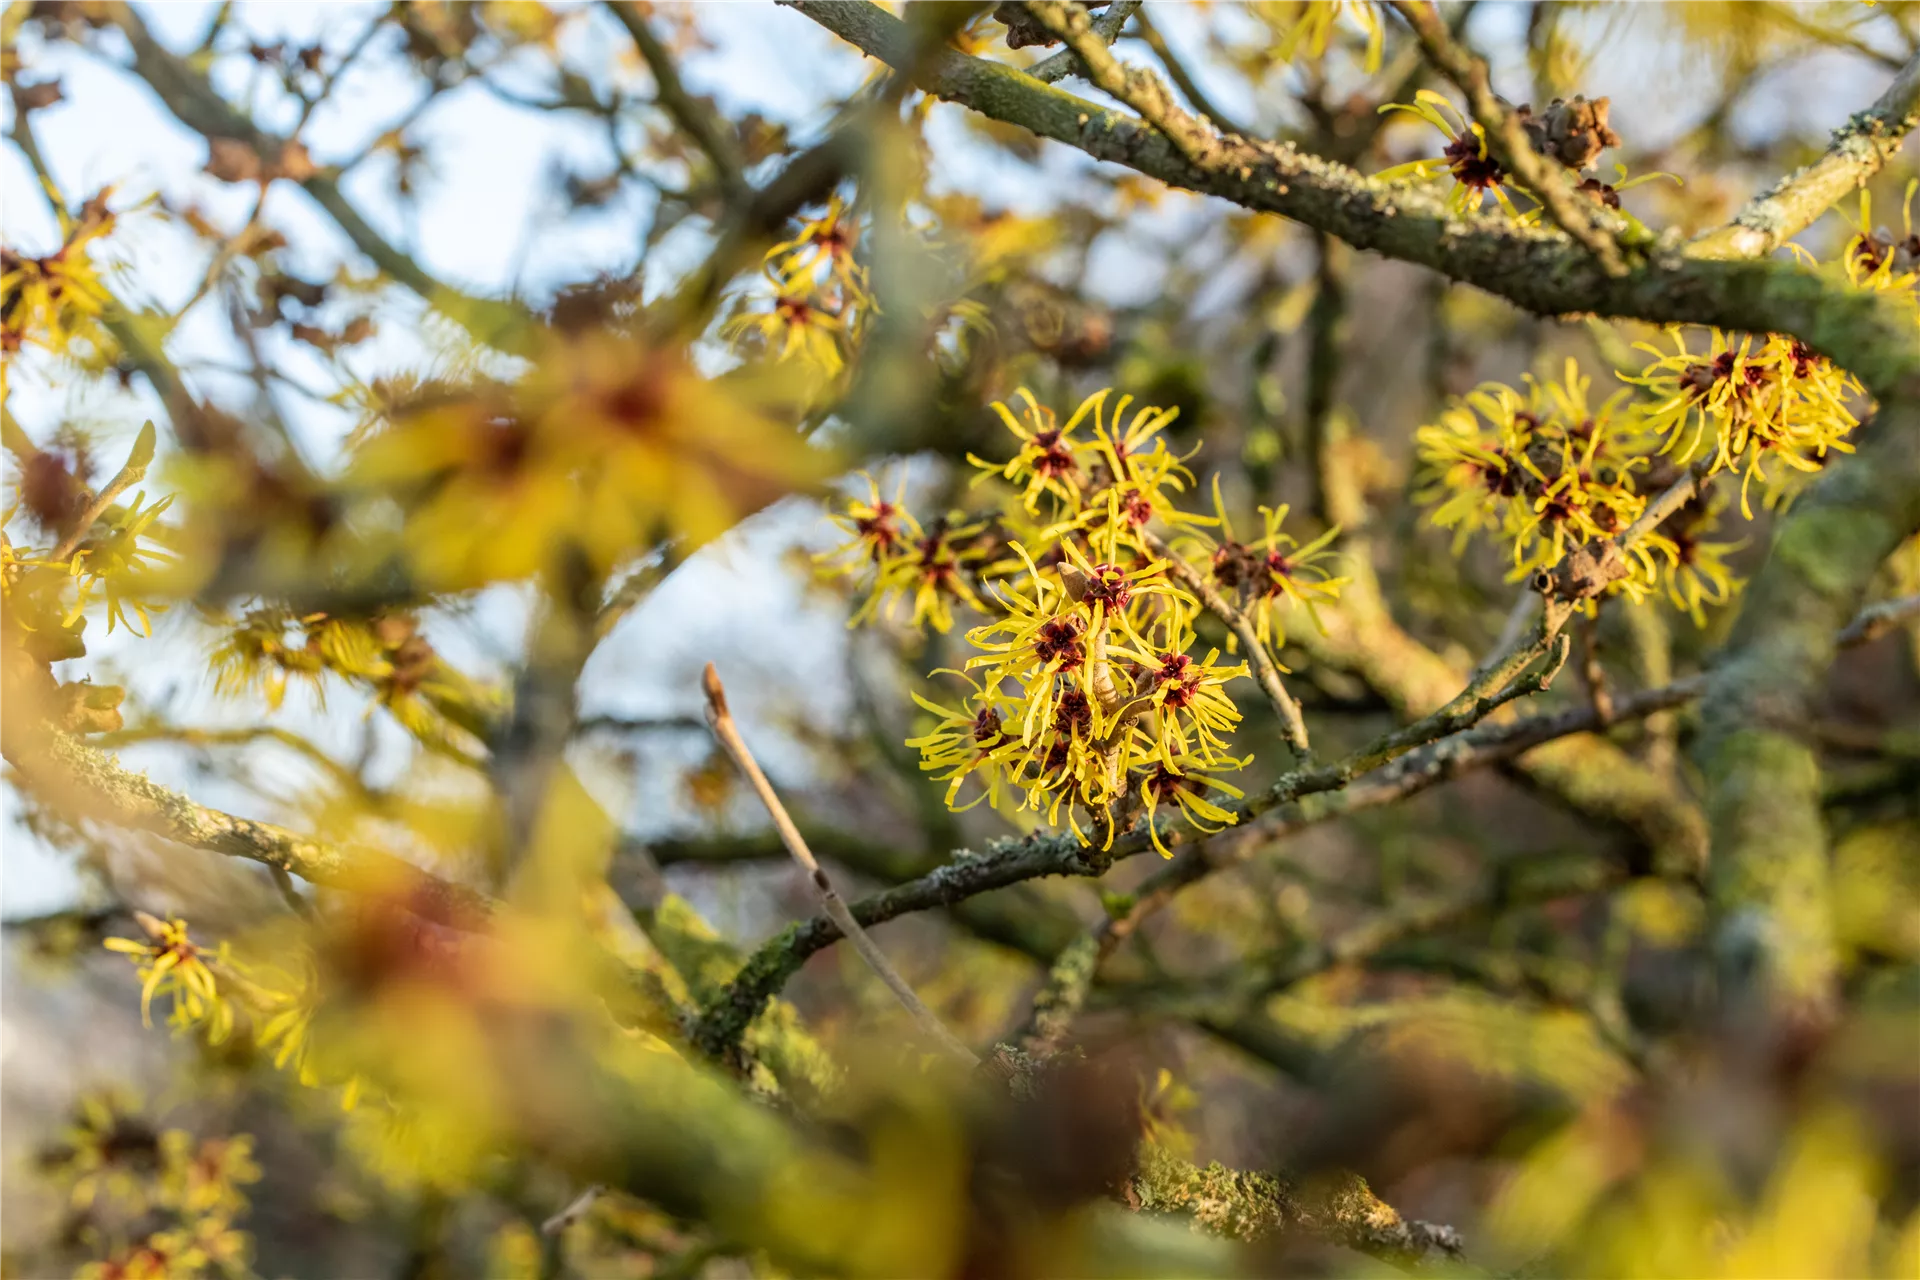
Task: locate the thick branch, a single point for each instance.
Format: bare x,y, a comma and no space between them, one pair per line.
1253,1206
1299,799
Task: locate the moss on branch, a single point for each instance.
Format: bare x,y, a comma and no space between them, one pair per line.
1341,1209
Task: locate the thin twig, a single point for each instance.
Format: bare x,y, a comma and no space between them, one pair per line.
721,719
1065,63
1266,674
1513,628
1594,673
576,1209
136,469
696,119
1876,620
1675,496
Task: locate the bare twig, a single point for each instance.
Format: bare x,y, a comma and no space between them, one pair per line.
1594,673
721,719
1876,620
1265,673
1671,499
82,779
1107,26
1525,606
576,1209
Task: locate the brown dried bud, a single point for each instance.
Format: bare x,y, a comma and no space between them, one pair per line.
1574,133
1587,571
52,492
1603,192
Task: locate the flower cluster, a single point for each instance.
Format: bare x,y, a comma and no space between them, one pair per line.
1746,400
1549,471
820,297
1546,470
49,301
150,1203
1088,690
266,648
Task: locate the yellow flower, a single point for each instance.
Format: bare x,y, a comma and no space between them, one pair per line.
108,1153
1194,717
117,563
1132,474
822,255
933,571
659,444
1273,573
1169,781
882,531
1474,170
1309,24
1045,463
1044,634
1877,259
205,1177
968,740
50,301
604,446
1693,568
170,964
1743,403
795,325
487,498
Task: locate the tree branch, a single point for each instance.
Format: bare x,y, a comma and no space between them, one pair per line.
93,784
1067,62
721,719
695,118
1859,149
